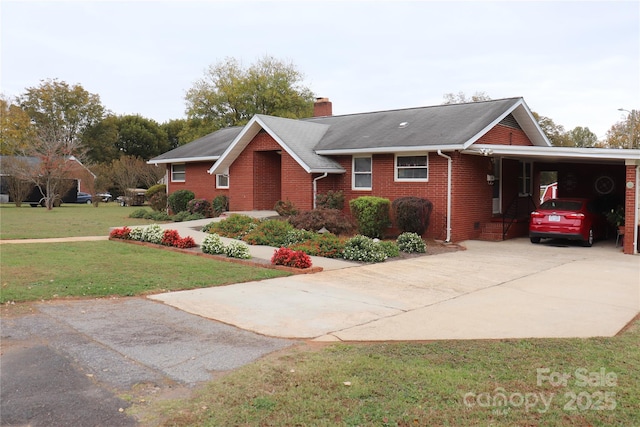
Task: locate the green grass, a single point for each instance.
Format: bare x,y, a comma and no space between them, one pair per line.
65,221
43,271
425,384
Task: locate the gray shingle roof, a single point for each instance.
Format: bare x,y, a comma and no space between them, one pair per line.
453,126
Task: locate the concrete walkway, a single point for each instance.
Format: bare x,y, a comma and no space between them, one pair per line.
510,289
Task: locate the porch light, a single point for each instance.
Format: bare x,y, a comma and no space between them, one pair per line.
491,179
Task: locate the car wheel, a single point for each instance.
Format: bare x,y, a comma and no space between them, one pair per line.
589,242
89,201
535,239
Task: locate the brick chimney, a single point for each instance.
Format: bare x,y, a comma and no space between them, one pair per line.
322,107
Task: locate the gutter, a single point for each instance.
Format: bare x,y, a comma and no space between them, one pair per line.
635,215
315,187
449,163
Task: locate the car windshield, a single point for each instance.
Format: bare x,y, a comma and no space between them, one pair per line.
562,205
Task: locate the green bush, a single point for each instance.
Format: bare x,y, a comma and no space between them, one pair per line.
331,200
332,220
411,242
178,200
412,214
152,233
139,213
212,244
237,249
285,208
325,245
186,216
200,206
270,232
235,226
365,249
371,214
295,236
156,195
390,248
220,204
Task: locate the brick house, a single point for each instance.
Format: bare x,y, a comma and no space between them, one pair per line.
479,164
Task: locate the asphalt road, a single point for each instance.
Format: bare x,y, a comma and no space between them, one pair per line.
68,363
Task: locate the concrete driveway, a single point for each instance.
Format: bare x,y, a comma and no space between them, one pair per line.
510,289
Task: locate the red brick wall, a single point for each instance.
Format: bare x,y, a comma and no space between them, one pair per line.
504,135
631,222
198,180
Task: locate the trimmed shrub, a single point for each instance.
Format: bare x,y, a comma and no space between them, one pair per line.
285,208
371,214
270,232
412,214
390,248
158,216
295,236
135,233
220,204
178,200
331,200
212,244
331,219
185,243
152,233
139,213
186,216
325,245
120,233
236,226
363,248
237,249
411,242
201,207
170,238
290,258
157,197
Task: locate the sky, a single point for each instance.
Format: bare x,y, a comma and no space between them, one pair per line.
576,62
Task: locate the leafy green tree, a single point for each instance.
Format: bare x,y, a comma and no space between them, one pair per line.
625,133
175,131
141,137
66,111
16,131
229,95
100,140
582,137
555,133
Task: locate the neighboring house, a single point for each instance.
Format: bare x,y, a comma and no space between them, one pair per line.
478,163
75,170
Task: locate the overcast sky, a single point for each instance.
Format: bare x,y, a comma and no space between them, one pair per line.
576,62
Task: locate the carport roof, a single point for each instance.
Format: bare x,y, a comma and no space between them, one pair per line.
551,154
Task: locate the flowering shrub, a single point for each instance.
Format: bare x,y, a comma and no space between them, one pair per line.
200,206
290,258
236,226
411,242
212,244
295,236
365,249
270,232
389,248
136,233
170,238
152,233
237,249
185,243
120,233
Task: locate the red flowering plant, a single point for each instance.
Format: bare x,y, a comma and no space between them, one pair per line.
170,238
120,233
290,258
185,243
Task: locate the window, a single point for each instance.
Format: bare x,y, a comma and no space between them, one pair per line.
222,180
362,173
412,168
178,172
524,178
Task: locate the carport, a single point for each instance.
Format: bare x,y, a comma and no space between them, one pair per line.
611,176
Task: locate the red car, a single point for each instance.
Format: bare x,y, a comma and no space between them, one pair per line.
573,219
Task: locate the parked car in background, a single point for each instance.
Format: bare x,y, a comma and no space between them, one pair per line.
84,198
572,219
133,197
105,197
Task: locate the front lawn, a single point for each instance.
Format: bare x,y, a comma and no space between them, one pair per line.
528,382
42,271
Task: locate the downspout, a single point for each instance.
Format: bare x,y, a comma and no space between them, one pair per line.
449,162
315,187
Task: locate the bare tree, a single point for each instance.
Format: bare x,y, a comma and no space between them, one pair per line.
130,172
461,98
18,187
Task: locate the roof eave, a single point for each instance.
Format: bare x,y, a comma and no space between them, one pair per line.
183,160
385,150
552,151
